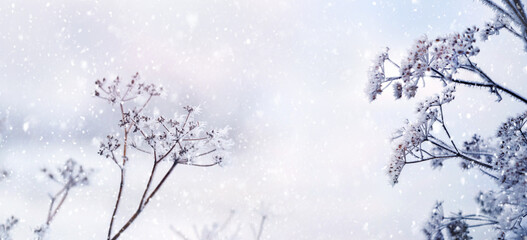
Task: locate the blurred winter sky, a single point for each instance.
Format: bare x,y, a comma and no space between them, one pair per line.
287,76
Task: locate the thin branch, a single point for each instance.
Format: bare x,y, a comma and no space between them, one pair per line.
121,185
167,153
128,99
146,103
205,153
518,5
126,93
513,8
491,86
53,211
463,156
199,165
488,174
140,208
114,159
431,158
177,232
139,149
161,182
186,120
523,135
390,60
483,224
150,178
511,30
122,172
227,221
445,128
260,229
194,139
497,8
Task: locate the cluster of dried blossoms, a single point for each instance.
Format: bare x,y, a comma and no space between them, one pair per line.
502,157
510,16
438,58
177,140
415,140
493,27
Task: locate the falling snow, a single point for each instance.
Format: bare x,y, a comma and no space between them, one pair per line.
298,150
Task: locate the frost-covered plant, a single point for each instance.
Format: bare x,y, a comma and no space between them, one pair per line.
6,227
510,16
502,157
171,141
68,176
456,225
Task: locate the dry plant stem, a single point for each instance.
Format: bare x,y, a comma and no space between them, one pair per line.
446,130
147,194
121,184
454,151
150,178
430,158
116,203
458,154
177,232
498,8
490,85
146,201
53,211
227,221
517,10
260,230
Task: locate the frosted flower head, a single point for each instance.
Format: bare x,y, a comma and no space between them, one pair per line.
181,138
397,90
117,92
71,174
109,146
448,94
376,76
433,227
493,27
407,140
395,167
438,58
409,90
458,228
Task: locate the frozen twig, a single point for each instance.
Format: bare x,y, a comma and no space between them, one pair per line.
179,140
